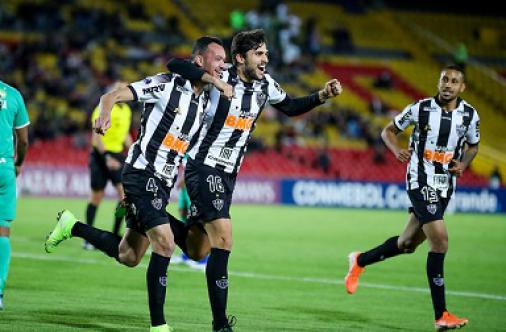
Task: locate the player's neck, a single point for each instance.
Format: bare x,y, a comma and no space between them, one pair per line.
447,106
198,87
242,75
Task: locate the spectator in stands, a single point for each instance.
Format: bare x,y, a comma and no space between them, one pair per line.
495,180
323,160
312,43
377,107
460,56
62,71
384,80
342,39
237,20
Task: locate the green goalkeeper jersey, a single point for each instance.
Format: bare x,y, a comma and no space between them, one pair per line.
13,115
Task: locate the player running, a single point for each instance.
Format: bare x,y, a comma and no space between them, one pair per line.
215,159
172,115
443,126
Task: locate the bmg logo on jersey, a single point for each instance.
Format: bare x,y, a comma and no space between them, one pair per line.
240,123
174,143
441,157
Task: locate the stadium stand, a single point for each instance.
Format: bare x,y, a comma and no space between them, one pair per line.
92,43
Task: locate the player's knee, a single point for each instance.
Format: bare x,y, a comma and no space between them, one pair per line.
129,259
407,246
165,247
225,242
439,245
197,253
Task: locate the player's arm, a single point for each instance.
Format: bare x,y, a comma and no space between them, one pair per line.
301,105
21,147
458,167
472,140
192,72
107,101
389,134
128,141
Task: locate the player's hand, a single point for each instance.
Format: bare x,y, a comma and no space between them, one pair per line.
102,123
332,89
112,163
403,155
226,89
457,168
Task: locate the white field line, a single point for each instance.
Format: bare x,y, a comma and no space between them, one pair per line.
67,259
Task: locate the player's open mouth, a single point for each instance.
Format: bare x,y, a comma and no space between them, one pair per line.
261,68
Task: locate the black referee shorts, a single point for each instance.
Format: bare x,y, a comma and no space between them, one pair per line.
210,192
100,174
427,204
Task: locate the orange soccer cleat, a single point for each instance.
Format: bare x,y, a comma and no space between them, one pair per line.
351,279
449,322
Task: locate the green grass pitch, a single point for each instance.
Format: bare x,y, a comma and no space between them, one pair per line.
286,274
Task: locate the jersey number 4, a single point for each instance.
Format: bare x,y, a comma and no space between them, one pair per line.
151,185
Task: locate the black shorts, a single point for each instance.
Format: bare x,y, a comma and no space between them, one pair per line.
427,204
100,174
210,192
147,197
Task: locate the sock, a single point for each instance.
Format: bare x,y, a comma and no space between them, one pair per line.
104,241
180,232
156,278
117,221
217,285
435,263
386,250
5,260
91,210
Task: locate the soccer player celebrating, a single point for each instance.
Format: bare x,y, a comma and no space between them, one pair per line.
215,159
106,159
443,126
13,120
173,109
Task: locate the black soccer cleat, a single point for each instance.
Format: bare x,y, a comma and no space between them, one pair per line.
228,326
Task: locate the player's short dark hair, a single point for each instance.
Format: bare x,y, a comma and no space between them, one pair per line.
201,44
456,67
245,41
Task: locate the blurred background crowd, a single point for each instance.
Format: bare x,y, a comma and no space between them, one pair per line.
62,55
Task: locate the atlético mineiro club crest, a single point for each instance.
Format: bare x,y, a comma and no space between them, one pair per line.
432,208
157,203
222,283
218,204
261,99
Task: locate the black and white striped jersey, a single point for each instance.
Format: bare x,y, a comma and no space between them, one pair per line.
228,125
438,138
171,116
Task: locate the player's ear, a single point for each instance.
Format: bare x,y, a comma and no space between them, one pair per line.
462,87
239,58
199,60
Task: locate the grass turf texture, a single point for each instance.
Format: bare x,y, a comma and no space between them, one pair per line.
287,270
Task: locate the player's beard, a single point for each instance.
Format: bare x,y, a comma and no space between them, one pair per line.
250,72
447,100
